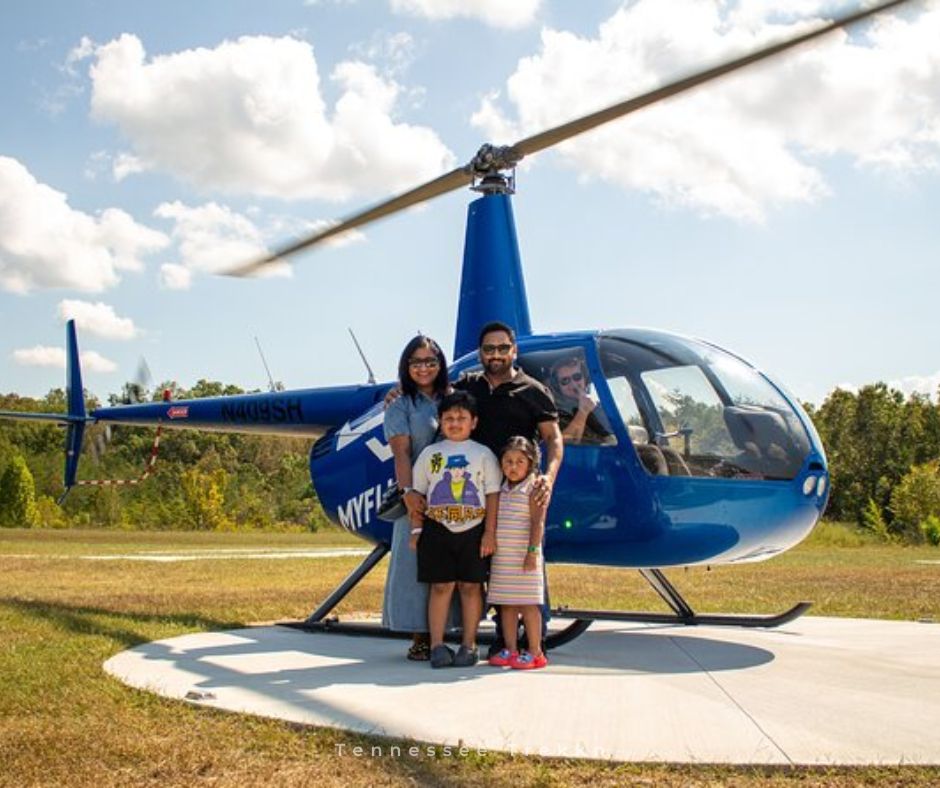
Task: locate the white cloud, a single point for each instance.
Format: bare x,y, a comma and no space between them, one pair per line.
98,319
45,243
44,356
175,277
211,238
394,51
497,13
125,164
249,117
745,143
918,384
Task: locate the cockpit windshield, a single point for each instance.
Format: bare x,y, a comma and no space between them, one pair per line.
692,409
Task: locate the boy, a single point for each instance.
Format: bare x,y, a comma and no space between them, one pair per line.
459,480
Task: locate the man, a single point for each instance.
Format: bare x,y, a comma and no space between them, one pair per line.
578,421
509,402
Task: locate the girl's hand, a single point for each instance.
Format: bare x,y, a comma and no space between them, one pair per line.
487,545
531,563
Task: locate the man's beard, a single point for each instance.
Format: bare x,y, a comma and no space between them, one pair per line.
497,366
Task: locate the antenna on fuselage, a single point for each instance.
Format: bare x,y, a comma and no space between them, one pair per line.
363,357
272,386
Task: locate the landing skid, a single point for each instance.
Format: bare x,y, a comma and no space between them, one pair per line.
682,611
320,620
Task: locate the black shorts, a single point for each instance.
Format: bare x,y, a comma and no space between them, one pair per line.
446,557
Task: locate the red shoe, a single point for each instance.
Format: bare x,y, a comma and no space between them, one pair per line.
503,658
525,661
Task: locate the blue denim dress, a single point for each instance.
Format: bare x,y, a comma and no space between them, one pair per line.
405,605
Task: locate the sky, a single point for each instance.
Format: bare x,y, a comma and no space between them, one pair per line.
787,213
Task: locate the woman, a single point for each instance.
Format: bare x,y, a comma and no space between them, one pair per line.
410,425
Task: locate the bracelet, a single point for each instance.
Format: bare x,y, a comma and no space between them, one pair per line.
533,548
415,531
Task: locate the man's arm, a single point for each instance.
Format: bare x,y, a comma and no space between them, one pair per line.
488,543
554,449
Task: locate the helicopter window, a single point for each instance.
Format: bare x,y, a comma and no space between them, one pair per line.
704,410
581,416
693,433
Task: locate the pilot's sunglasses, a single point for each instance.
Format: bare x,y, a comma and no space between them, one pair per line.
426,363
489,350
577,377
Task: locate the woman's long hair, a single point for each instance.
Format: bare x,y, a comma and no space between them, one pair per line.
408,386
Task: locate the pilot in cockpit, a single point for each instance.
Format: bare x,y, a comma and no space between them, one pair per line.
580,419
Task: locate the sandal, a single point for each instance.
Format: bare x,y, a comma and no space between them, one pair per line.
420,651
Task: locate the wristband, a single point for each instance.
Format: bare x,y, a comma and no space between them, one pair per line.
406,490
533,548
415,531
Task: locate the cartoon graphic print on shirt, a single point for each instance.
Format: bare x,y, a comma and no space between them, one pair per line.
455,498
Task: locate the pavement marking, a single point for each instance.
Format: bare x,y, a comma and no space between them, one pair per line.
246,554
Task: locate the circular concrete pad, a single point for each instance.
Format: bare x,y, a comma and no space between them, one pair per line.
818,691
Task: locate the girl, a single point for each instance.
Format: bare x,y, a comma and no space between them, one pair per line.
516,576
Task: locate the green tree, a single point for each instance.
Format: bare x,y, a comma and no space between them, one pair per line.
915,499
18,496
204,500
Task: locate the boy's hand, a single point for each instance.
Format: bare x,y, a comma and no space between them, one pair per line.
487,545
530,564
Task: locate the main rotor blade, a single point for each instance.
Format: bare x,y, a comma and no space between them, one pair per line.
546,139
464,175
427,191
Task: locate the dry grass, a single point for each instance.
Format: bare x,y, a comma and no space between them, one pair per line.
64,722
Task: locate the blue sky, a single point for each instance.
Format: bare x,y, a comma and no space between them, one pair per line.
787,214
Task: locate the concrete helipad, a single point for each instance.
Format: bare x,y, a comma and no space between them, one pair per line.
818,691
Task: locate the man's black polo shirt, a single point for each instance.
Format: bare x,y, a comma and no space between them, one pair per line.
513,408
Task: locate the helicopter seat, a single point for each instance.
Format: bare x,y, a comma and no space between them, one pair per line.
651,456
761,435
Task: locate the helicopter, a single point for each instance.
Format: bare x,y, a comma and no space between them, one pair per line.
701,458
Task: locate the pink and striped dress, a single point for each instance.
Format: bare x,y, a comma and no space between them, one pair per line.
509,583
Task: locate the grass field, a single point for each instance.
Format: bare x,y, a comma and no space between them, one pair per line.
71,599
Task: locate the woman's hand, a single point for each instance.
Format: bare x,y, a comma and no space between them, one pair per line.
416,504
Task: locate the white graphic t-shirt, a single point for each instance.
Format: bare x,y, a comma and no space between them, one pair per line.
456,477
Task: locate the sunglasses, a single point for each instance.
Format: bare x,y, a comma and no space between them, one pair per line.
424,363
577,377
489,350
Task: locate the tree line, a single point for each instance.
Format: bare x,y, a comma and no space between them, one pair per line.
883,450
201,480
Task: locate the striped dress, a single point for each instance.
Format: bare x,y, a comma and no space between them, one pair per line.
509,584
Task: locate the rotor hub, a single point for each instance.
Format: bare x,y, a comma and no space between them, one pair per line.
494,169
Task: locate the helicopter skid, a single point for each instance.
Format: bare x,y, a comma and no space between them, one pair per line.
371,629
683,612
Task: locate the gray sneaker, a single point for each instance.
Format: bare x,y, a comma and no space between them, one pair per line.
442,657
466,657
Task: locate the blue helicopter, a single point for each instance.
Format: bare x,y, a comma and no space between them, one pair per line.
694,456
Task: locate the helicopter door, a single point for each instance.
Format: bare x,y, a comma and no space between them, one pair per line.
581,415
